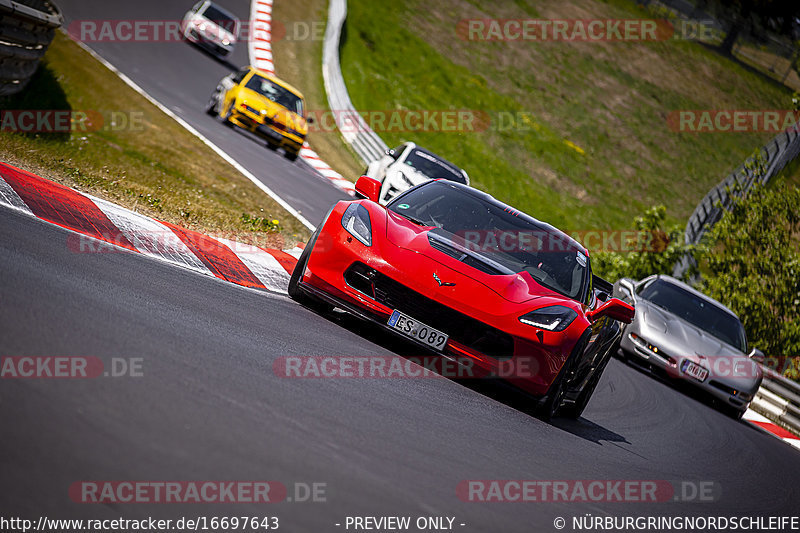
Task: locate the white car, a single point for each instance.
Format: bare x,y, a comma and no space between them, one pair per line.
212,27
409,165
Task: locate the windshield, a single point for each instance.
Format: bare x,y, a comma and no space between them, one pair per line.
697,311
220,18
433,167
276,93
493,237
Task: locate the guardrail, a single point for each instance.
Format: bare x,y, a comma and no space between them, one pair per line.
779,400
777,154
27,28
366,143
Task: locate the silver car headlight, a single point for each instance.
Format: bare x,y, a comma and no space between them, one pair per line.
553,318
356,221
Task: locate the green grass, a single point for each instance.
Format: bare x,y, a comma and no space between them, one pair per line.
596,149
158,168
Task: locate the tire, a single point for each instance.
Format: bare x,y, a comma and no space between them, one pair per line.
227,117
296,292
291,156
576,410
550,405
213,103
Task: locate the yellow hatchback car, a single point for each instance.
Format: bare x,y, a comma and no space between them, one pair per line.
263,105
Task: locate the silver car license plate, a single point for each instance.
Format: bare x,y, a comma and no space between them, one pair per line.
696,371
411,327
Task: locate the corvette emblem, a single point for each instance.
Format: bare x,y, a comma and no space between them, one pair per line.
443,283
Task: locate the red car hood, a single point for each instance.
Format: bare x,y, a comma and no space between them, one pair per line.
515,288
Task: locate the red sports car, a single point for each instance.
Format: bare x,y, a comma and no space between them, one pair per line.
472,279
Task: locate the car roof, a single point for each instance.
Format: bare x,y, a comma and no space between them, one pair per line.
221,10
480,195
273,78
695,292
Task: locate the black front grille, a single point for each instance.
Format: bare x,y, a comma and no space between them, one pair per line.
721,386
460,327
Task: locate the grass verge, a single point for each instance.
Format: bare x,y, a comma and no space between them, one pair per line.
588,145
138,157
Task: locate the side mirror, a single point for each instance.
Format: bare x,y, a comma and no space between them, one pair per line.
756,355
615,309
369,188
626,284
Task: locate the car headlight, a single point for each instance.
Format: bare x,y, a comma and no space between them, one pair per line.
226,41
356,222
553,318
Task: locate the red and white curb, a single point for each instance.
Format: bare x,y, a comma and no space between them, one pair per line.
260,51
767,425
311,157
261,38
101,227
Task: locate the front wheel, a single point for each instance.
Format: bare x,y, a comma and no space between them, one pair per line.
549,406
213,104
227,116
576,410
552,402
296,293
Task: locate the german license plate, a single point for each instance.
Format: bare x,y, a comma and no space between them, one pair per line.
696,371
411,327
269,132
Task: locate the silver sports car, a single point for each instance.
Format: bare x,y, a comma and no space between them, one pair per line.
691,337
